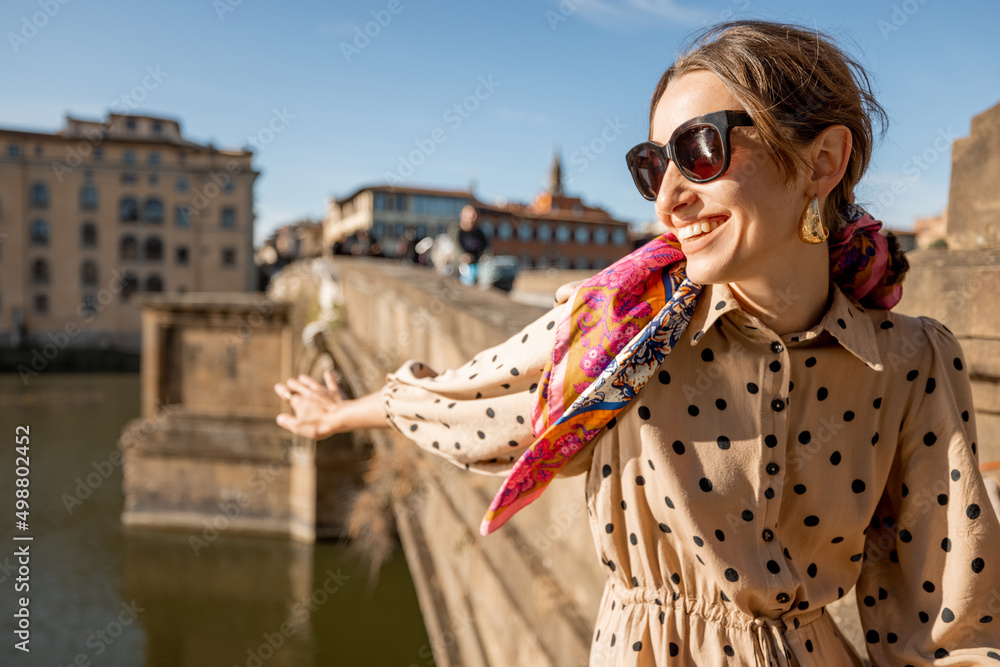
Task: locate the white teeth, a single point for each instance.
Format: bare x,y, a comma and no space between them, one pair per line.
697,228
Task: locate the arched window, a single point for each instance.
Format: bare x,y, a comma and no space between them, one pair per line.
88,235
129,285
505,231
154,283
40,272
88,273
88,198
581,235
524,232
38,195
619,236
39,232
128,209
128,249
563,234
182,216
544,232
154,248
600,236
487,228
153,211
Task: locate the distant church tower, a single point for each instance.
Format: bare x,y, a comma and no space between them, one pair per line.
555,176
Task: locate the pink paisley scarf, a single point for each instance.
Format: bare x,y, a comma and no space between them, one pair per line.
622,324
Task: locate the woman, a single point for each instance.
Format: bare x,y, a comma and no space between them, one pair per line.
759,431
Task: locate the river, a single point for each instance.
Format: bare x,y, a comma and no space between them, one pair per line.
103,595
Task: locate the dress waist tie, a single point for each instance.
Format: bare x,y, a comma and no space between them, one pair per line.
770,646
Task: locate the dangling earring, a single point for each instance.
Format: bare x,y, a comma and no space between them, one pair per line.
811,229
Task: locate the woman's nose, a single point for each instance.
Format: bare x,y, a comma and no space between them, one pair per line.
675,193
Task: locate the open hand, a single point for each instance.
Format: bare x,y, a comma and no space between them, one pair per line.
313,405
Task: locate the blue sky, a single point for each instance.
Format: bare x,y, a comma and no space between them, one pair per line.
528,76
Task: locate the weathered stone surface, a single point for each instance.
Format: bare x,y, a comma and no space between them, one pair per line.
974,201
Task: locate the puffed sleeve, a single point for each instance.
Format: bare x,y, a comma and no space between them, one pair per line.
929,591
477,416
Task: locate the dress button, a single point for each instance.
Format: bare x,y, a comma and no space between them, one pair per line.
772,468
777,347
777,405
767,535
783,598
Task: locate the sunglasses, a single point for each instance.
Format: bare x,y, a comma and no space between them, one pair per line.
699,147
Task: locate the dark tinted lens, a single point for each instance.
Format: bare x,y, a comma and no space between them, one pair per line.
647,169
699,152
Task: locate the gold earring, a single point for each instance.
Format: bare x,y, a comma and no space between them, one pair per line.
811,229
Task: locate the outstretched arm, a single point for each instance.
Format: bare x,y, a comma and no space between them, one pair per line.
320,411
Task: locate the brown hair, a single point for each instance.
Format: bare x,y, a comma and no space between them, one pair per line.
794,83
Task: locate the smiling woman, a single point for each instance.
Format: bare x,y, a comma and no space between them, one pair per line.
729,512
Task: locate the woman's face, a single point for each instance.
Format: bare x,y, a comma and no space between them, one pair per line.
752,211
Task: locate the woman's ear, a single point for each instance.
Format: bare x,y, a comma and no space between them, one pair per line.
828,157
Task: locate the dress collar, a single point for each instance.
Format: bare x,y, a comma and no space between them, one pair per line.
845,320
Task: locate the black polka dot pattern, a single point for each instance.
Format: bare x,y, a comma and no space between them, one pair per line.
738,468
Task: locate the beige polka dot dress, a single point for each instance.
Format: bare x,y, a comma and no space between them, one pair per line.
754,480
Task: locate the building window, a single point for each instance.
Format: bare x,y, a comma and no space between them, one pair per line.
505,231
128,249
128,178
130,125
182,216
562,234
487,227
98,153
582,263
38,195
154,249
88,306
42,304
88,273
379,201
619,236
398,230
154,283
129,285
182,185
88,235
229,217
128,157
544,232
88,198
229,256
157,128
154,158
582,234
39,232
524,232
40,272
229,185
600,236
378,229
181,254
152,211
128,209
39,150
13,150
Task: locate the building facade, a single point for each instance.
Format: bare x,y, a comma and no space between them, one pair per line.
384,213
554,230
100,210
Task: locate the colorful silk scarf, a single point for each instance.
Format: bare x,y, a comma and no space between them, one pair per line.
622,324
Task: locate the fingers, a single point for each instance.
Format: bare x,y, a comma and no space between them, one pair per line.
311,383
290,423
331,382
281,390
